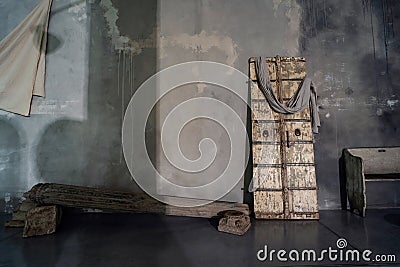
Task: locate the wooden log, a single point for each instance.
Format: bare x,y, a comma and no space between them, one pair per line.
19,215
14,224
86,197
42,221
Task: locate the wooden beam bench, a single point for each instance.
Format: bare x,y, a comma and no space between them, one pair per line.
380,164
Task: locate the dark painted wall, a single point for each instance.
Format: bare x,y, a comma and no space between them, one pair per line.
352,48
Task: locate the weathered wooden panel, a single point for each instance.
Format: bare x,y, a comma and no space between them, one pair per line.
265,131
355,182
299,131
300,153
292,59
19,215
268,202
234,222
282,59
304,216
302,115
256,93
293,69
14,224
266,154
262,111
368,164
301,176
286,190
96,198
378,160
267,177
271,71
303,201
288,89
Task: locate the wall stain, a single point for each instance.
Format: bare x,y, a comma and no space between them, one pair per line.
79,10
201,43
119,41
198,43
382,10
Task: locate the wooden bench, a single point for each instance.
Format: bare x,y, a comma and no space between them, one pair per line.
368,165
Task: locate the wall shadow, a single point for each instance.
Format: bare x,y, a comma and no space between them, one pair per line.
11,176
90,152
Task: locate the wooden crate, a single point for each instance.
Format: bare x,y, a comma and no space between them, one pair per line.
283,150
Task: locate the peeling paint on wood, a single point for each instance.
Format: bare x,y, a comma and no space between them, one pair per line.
355,182
266,154
261,111
268,177
307,174
283,152
268,203
300,153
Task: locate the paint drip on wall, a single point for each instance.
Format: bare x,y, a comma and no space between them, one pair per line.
197,43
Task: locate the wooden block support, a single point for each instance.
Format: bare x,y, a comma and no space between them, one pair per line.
42,221
234,222
14,224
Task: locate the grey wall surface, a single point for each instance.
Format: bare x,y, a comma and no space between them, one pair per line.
23,156
352,48
100,51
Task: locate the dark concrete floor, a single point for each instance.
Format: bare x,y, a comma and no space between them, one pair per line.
100,239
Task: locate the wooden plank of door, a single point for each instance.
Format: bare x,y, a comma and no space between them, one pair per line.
283,151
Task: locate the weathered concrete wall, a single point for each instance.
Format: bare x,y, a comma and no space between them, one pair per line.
100,51
198,31
22,155
352,49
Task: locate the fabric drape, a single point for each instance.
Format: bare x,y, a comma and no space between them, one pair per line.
304,96
23,61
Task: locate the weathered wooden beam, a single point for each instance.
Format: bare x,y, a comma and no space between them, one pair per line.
19,215
14,224
95,198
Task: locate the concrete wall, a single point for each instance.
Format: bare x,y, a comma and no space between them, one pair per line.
353,58
100,51
24,157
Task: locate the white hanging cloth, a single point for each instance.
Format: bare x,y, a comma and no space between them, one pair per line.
23,61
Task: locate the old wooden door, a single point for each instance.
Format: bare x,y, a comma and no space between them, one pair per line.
283,151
